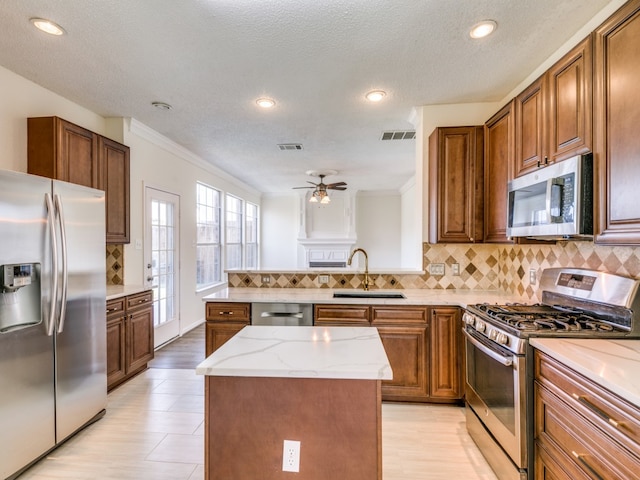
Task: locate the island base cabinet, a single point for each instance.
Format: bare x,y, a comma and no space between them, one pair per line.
247,419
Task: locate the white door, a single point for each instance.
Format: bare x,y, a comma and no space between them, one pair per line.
161,261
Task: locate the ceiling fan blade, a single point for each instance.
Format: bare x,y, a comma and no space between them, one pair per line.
337,184
336,188
314,184
294,188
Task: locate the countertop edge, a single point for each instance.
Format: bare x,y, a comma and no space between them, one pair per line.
599,361
117,291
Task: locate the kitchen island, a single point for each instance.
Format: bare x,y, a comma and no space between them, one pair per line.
320,386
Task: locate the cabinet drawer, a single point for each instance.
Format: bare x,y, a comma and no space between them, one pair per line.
399,314
611,414
229,312
115,307
354,315
140,299
561,428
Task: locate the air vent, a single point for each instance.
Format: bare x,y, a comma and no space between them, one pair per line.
290,146
399,135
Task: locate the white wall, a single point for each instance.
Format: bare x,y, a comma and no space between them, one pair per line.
279,232
154,161
378,227
410,227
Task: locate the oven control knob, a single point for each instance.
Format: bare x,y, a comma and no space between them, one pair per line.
502,339
480,326
469,319
493,334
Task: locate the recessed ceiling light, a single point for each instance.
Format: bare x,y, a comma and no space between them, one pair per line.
483,28
162,105
47,26
375,95
265,102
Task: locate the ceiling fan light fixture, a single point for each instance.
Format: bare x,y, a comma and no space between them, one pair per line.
47,26
375,95
265,102
483,29
325,199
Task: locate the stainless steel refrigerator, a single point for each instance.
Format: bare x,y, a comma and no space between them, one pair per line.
52,315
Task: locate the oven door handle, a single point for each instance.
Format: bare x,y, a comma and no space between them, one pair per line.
506,361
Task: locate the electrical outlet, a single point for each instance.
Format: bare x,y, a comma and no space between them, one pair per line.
265,279
455,269
436,268
532,277
291,456
323,279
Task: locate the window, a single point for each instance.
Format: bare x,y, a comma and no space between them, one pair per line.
233,232
208,252
251,237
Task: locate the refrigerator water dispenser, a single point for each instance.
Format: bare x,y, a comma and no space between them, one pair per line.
20,296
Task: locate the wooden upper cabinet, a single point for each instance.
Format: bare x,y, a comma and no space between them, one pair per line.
113,160
61,150
456,185
498,158
553,116
570,103
616,120
530,124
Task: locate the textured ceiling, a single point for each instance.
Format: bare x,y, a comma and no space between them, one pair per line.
210,59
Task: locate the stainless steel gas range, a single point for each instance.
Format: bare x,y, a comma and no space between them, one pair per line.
499,359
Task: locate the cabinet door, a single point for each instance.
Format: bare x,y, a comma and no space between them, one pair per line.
406,349
616,120
570,103
217,334
114,180
116,358
498,160
446,354
530,123
456,185
353,315
140,338
61,150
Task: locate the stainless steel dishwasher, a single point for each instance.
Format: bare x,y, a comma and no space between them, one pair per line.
290,314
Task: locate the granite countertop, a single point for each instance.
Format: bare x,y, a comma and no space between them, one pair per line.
301,352
614,364
117,291
460,298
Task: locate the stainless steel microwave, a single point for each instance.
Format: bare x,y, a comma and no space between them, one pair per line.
555,202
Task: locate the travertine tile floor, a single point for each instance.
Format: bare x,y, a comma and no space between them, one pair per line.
153,430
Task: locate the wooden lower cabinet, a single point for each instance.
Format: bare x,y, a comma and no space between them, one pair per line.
224,320
423,344
446,359
129,336
582,431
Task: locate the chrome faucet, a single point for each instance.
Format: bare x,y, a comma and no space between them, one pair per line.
365,284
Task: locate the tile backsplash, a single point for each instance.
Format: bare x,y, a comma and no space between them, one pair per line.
481,267
115,264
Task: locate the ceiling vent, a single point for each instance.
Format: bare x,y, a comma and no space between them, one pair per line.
399,135
290,146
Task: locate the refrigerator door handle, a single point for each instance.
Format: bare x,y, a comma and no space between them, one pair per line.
50,325
63,249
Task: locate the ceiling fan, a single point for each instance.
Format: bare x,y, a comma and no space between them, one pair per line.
319,193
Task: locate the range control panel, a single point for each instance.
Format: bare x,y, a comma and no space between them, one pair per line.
572,280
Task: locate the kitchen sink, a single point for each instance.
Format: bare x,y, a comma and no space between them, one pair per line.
367,294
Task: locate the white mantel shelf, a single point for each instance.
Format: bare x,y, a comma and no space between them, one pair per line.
354,353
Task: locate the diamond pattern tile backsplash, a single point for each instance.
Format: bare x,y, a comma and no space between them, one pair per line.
481,266
115,264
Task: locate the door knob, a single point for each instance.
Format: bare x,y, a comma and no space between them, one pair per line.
149,279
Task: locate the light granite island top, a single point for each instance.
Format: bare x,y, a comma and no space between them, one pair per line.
301,352
317,387
614,364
